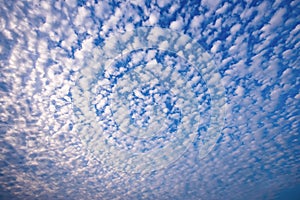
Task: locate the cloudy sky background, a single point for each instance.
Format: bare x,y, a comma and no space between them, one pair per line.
47,50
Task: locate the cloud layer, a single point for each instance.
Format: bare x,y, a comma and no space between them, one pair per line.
49,52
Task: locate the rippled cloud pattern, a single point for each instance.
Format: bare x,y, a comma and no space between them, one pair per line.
149,99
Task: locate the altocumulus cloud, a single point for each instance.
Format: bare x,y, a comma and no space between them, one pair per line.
48,49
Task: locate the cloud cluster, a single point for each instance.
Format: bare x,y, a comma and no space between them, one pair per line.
48,49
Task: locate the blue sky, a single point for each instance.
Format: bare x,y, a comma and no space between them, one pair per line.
149,99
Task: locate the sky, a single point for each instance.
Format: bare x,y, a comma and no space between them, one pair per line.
149,99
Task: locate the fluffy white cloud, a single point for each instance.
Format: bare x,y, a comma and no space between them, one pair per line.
47,49
163,3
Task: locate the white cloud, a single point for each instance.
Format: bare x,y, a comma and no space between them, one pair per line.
71,3
51,142
223,8
162,3
216,46
212,5
177,25
153,18
239,91
164,45
196,21
174,7
103,10
277,18
234,29
276,21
